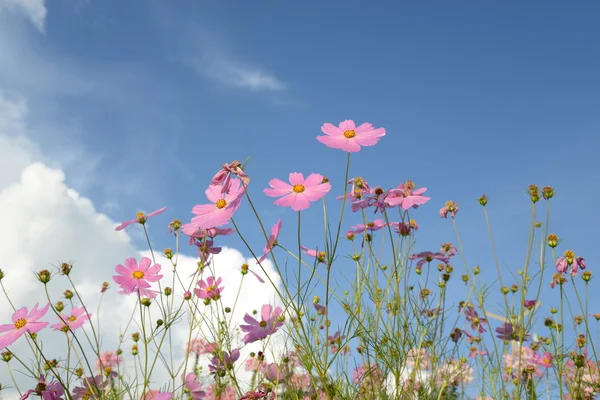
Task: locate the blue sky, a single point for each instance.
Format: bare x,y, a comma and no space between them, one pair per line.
139,102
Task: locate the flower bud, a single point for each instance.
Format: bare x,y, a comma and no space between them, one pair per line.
1,274
168,253
187,295
135,336
65,268
79,372
504,290
316,299
356,257
59,306
534,193
146,302
476,270
552,240
586,276
553,310
168,291
514,288
104,287
7,356
465,278
483,200
134,350
44,276
350,235
227,310
547,192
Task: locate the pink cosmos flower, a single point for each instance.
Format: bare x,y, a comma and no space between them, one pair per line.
200,346
23,321
222,209
210,289
272,242
569,259
218,364
371,226
451,207
72,321
193,387
319,255
134,278
300,192
348,137
223,177
228,393
47,391
108,359
157,395
406,196
268,325
141,218
194,232
428,256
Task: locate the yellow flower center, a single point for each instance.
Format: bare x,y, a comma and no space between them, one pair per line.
371,224
21,322
298,188
221,203
569,255
72,318
138,274
349,134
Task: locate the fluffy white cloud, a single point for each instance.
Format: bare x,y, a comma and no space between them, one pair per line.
35,10
44,223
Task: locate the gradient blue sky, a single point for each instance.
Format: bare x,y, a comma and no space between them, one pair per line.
140,101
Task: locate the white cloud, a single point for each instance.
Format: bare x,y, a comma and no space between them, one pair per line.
226,70
35,10
45,222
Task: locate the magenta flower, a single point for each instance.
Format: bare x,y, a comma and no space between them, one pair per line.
209,290
141,218
475,320
72,321
543,361
428,256
92,387
23,321
371,226
300,192
406,196
569,260
193,387
222,209
47,391
135,279
221,364
268,325
272,242
348,137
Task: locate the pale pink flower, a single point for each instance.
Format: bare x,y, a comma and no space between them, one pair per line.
135,279
370,226
428,256
194,232
141,218
300,192
222,209
406,196
23,321
348,137
451,207
72,321
223,177
193,387
209,290
227,393
157,395
108,359
200,346
319,255
272,242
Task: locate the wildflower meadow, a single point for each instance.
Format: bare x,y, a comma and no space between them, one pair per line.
361,309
